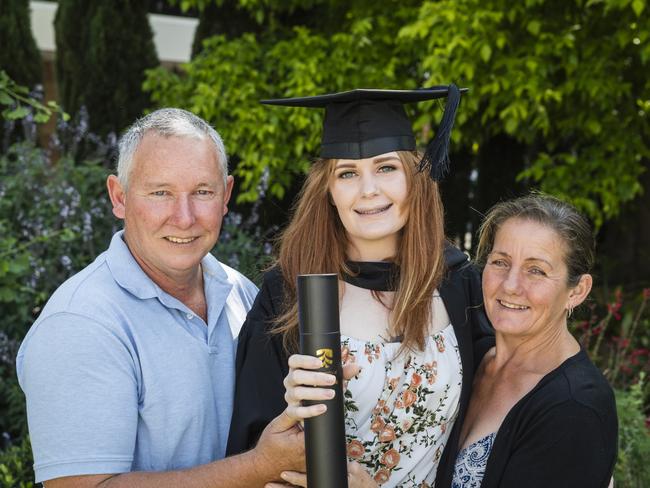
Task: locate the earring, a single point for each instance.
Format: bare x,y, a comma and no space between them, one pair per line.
569,311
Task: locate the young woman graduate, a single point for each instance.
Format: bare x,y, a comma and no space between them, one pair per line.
410,303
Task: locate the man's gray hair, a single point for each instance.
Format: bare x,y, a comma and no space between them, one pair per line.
167,122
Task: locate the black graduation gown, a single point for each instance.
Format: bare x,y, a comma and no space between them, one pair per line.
262,362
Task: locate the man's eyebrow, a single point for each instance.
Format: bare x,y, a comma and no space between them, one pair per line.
156,184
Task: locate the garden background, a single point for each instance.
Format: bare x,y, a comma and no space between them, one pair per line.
559,101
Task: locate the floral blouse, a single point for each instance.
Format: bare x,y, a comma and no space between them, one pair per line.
400,409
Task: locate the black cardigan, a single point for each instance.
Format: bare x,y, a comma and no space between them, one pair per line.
563,433
262,362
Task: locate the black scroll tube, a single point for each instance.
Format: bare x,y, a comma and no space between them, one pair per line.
320,336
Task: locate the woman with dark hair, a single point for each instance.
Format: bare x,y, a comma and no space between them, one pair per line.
410,302
541,414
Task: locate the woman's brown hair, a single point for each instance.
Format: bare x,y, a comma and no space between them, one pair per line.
315,241
571,226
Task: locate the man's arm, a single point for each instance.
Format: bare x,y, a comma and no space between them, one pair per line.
280,448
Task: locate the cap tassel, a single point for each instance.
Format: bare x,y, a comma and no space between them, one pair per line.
436,156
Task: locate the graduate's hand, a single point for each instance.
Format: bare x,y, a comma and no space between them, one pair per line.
303,383
358,477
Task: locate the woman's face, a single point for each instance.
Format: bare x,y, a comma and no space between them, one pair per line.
525,280
370,197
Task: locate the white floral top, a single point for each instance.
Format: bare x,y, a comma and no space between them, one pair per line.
400,410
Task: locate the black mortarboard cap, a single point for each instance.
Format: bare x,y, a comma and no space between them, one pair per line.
366,122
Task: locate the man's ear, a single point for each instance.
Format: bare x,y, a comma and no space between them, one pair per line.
117,195
230,183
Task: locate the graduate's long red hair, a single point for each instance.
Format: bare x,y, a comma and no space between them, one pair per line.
315,241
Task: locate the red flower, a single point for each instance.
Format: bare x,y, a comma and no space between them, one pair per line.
377,425
355,449
382,476
387,435
416,379
409,397
646,293
390,459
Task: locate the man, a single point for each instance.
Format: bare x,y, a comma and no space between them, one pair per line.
129,370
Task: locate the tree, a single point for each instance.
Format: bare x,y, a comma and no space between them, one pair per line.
103,50
19,56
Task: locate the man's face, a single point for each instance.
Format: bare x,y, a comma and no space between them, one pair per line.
174,205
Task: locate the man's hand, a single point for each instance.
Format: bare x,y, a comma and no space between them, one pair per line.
281,447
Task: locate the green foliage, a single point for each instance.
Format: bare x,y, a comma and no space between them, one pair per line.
103,49
632,468
16,466
17,103
545,86
19,56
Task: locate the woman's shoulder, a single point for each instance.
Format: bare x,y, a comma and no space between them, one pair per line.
269,301
273,277
458,266
577,385
454,257
586,383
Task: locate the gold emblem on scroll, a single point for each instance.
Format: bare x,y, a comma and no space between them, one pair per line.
325,356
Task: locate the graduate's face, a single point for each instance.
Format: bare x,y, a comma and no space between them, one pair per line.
370,196
525,280
174,204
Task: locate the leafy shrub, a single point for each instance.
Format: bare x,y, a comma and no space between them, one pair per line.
632,468
16,466
615,331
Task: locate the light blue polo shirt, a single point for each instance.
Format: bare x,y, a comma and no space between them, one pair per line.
120,376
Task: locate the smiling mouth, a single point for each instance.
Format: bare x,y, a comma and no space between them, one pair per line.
374,211
180,240
512,306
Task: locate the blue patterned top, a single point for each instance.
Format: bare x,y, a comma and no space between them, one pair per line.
471,461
